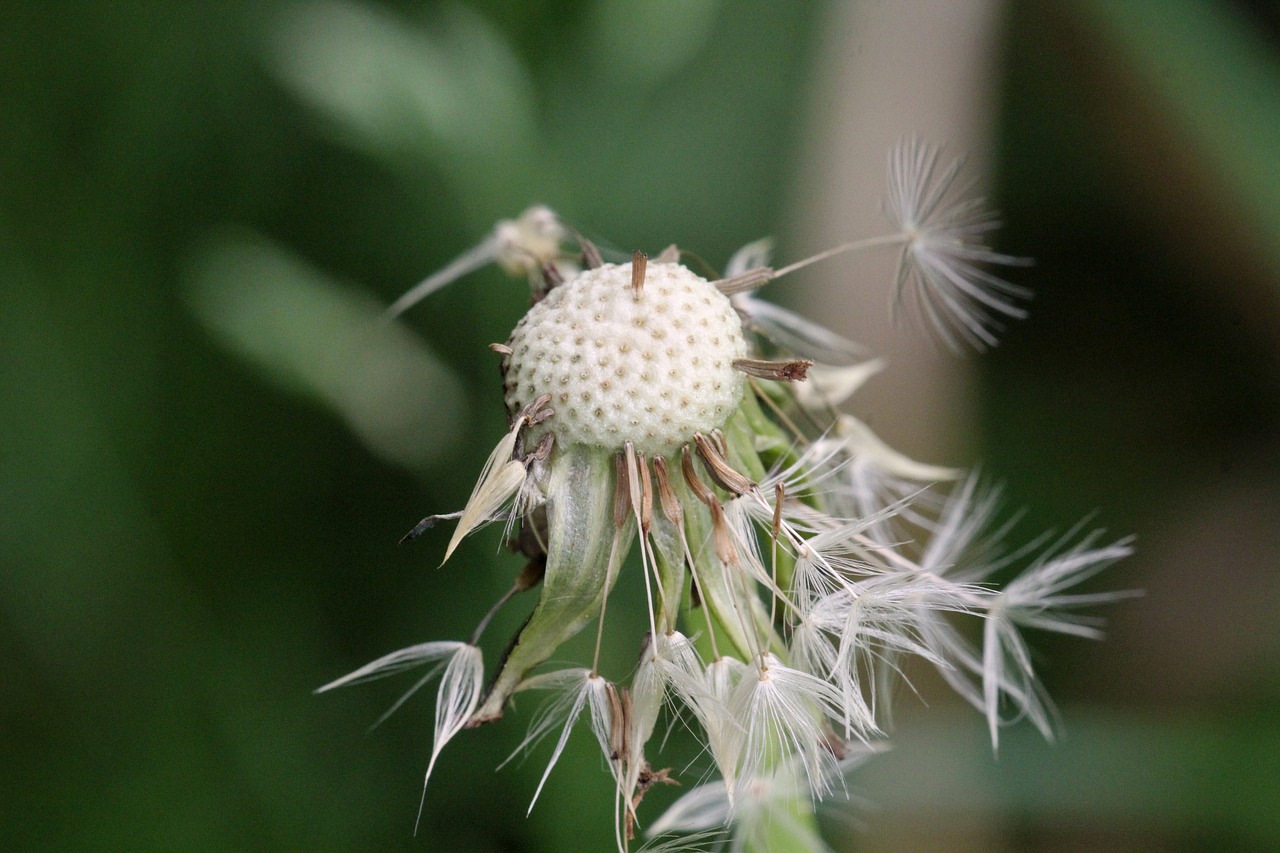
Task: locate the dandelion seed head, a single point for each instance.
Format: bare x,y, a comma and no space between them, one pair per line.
792,560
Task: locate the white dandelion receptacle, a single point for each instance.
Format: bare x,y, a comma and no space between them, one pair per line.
651,365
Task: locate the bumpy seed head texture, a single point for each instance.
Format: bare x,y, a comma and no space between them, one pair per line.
652,368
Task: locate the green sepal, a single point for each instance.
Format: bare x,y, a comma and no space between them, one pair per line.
793,828
742,435
768,438
583,556
668,552
724,599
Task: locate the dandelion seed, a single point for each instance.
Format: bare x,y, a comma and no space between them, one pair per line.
575,689
942,262
768,803
1036,599
723,730
459,692
523,246
782,714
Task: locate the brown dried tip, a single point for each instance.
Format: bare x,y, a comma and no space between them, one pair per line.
718,467
666,495
649,777
639,263
542,451
646,495
646,779
721,537
717,436
640,487
532,414
779,371
779,496
551,275
699,488
621,492
501,349
619,721
551,279
536,412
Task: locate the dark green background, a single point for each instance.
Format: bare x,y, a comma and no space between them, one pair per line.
191,541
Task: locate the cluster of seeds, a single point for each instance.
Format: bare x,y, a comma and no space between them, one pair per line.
782,594
652,365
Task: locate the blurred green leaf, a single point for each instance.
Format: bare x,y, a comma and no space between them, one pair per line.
330,342
448,92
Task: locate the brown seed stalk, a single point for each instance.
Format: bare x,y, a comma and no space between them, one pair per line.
591,258
779,495
619,721
779,371
639,263
725,550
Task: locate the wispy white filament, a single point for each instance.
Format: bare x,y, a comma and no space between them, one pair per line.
1036,599
942,263
459,692
575,689
468,262
799,335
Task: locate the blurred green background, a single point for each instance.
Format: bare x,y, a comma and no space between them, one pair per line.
205,465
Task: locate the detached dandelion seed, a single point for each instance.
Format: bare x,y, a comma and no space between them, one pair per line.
647,405
943,261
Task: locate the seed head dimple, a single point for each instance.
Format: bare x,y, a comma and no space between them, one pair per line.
652,370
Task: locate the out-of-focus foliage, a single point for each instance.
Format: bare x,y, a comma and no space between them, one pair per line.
207,455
